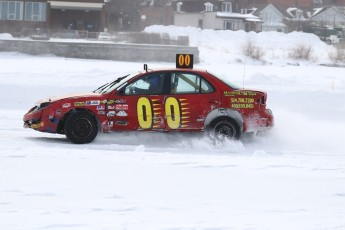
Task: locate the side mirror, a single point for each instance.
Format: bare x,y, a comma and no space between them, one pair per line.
121,92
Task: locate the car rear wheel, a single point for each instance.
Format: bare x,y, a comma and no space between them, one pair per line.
226,129
81,128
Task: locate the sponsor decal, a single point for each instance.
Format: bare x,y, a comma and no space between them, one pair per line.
121,114
110,123
58,112
121,107
104,102
79,103
96,102
101,112
111,114
100,107
120,101
239,93
242,106
66,105
111,107
242,103
121,123
110,102
241,99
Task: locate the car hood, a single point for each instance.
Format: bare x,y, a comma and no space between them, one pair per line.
71,96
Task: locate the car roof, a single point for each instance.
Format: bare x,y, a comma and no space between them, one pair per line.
174,69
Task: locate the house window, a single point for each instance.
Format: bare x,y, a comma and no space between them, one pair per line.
35,11
200,23
208,7
11,10
229,25
178,6
226,7
299,14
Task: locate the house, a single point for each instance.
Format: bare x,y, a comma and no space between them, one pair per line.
305,4
293,3
328,23
331,16
273,17
156,13
17,15
280,19
25,16
85,15
216,14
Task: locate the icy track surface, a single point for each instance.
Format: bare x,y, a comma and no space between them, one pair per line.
290,178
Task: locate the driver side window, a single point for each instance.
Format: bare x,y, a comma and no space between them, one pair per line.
148,84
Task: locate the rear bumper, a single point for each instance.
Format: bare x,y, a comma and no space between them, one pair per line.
270,118
259,122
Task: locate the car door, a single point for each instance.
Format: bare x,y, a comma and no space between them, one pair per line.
189,100
139,104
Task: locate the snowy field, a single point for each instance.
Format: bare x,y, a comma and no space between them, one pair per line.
291,178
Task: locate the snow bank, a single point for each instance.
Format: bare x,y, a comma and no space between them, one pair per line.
226,45
5,36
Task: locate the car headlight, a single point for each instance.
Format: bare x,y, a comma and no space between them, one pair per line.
39,106
43,105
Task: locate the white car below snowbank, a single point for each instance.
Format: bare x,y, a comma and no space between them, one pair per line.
105,36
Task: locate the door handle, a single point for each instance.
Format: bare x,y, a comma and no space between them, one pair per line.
213,101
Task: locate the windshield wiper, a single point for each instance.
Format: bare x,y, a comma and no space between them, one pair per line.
109,84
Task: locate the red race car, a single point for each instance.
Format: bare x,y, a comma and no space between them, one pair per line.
177,99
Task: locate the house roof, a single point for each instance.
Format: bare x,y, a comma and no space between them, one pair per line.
260,7
287,12
319,11
246,17
156,3
197,6
76,5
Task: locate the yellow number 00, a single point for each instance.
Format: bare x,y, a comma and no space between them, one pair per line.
184,60
144,110
172,112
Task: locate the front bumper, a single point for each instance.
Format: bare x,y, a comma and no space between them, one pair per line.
32,119
40,120
30,124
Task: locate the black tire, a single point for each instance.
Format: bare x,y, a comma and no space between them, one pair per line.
81,128
226,129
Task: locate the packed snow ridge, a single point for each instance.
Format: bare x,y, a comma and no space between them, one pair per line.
228,45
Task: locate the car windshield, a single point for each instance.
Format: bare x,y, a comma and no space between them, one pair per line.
110,86
230,84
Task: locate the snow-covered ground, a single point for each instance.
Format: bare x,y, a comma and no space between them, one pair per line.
290,178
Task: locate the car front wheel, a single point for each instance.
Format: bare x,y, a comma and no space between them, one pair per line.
81,128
